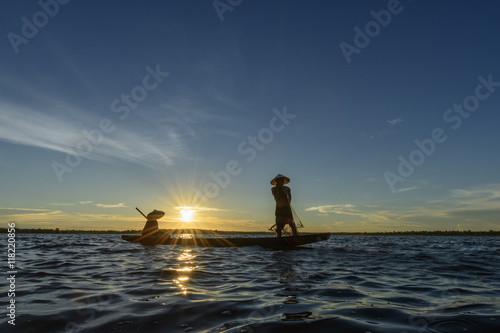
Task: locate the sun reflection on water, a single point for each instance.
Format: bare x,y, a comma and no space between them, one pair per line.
186,259
185,236
185,269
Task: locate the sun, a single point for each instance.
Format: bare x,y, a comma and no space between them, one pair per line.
187,215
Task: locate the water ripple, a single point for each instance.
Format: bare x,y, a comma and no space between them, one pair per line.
98,283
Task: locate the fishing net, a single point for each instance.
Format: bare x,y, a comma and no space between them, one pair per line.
296,219
287,230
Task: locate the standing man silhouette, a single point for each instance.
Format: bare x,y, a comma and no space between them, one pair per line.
283,196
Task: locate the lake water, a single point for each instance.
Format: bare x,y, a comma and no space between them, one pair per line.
100,283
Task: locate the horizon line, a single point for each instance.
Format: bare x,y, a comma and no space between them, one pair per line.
216,231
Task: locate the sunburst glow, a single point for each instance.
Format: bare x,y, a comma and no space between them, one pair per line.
187,215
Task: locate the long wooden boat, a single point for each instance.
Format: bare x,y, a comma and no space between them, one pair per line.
266,242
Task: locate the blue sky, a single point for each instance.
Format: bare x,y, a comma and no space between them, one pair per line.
110,105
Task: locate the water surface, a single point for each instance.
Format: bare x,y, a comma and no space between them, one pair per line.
100,283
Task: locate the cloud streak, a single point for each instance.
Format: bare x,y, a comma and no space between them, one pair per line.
29,127
366,212
200,209
479,198
479,205
119,205
26,211
394,121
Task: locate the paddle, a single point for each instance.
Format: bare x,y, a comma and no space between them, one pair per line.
141,213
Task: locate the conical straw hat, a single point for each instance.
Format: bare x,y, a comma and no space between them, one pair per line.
155,215
287,180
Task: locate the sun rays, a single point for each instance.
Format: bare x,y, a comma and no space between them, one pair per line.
187,214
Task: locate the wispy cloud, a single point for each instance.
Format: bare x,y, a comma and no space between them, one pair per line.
25,211
479,205
186,109
24,126
337,209
483,197
118,205
48,130
412,185
406,189
394,121
200,209
366,212
58,219
385,132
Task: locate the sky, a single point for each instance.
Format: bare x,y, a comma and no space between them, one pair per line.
384,114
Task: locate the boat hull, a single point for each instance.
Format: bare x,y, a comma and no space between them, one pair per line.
266,242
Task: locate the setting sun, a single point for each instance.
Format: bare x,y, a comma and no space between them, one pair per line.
187,215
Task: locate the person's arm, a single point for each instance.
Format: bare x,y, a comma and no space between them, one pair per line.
288,193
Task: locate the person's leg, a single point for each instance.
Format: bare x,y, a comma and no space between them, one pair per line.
294,228
279,227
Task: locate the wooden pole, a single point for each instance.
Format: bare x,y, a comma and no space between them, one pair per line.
141,213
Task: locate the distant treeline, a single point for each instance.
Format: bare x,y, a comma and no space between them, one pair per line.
172,231
64,231
490,233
